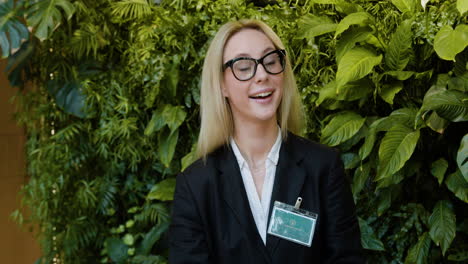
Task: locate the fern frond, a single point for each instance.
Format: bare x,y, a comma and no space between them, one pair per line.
131,9
87,40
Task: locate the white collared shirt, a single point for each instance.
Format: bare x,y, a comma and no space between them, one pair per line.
259,207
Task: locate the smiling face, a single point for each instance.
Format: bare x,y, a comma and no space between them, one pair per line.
257,99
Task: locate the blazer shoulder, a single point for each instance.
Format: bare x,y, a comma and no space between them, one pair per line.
203,170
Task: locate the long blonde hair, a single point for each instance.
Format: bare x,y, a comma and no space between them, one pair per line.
217,125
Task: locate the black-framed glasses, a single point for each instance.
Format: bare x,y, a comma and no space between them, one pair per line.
244,68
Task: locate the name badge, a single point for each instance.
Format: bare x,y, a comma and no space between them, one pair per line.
292,223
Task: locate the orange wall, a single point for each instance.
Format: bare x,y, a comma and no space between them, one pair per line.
17,246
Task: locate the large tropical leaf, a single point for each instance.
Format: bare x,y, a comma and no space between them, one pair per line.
442,225
351,91
397,52
349,39
368,145
449,42
388,91
458,185
45,16
436,123
368,238
462,6
12,30
163,191
311,26
418,254
17,64
406,5
359,18
116,249
355,64
438,169
396,148
172,116
69,96
341,128
167,142
151,238
449,104
361,174
462,157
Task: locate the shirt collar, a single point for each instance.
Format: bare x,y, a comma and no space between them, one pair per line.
273,155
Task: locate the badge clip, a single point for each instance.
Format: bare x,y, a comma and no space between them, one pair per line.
298,203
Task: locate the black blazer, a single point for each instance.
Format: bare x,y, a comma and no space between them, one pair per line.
212,221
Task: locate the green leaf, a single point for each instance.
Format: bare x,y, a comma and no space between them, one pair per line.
12,30
368,145
131,9
442,225
167,143
400,75
351,91
448,42
462,6
437,123
152,237
405,5
128,239
163,191
361,174
116,249
462,157
419,253
385,201
350,160
388,91
458,185
156,123
359,18
449,104
368,238
354,65
341,128
45,16
396,148
398,50
311,26
438,169
174,116
69,96
189,158
17,63
349,39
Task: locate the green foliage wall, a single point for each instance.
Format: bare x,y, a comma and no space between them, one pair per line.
112,115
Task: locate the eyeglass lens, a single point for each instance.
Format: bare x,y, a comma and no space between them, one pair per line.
245,69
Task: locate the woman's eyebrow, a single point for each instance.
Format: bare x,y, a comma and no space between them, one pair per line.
241,55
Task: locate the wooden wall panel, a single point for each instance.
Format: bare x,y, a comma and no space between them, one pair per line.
16,245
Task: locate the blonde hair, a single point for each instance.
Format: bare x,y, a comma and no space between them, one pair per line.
217,125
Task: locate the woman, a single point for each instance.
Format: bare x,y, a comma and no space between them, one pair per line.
251,158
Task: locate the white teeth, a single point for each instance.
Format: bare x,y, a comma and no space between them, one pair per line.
262,95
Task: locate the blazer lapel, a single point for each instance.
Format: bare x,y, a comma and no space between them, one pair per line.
289,178
236,197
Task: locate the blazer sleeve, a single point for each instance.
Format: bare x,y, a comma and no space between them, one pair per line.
187,238
342,228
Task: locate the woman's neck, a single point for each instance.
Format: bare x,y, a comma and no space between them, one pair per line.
255,140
